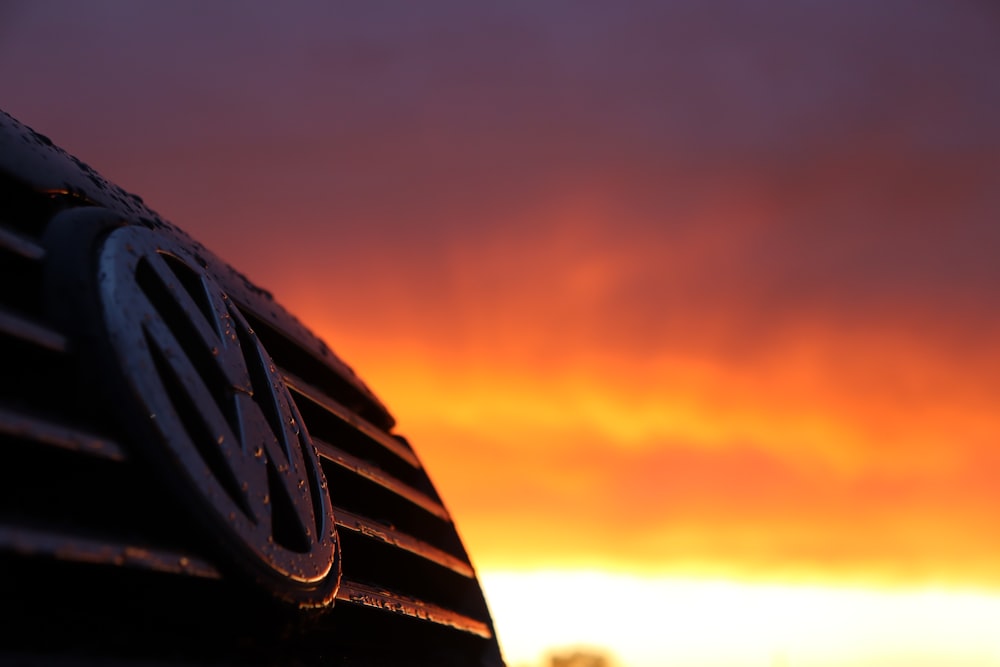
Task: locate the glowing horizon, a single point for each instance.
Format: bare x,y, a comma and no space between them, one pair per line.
720,623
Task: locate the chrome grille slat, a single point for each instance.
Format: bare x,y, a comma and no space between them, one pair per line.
32,332
379,598
20,425
376,475
375,530
308,391
299,353
63,546
19,245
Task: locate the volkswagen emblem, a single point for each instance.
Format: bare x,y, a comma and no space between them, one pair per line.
219,421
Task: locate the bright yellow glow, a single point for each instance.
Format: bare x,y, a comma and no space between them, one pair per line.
655,622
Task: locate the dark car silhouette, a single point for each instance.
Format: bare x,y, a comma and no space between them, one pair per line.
190,476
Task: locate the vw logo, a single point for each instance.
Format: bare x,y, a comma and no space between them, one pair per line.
222,425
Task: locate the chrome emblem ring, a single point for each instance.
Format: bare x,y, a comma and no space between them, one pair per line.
225,430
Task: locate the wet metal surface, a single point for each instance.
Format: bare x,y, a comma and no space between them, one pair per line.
316,365
372,529
34,542
31,332
374,474
19,245
35,160
48,433
377,598
223,429
306,390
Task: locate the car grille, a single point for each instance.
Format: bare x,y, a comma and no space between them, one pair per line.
401,551
97,561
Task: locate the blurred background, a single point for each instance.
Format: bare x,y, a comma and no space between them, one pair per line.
688,306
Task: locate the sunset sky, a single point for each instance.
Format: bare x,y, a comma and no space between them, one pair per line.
689,307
